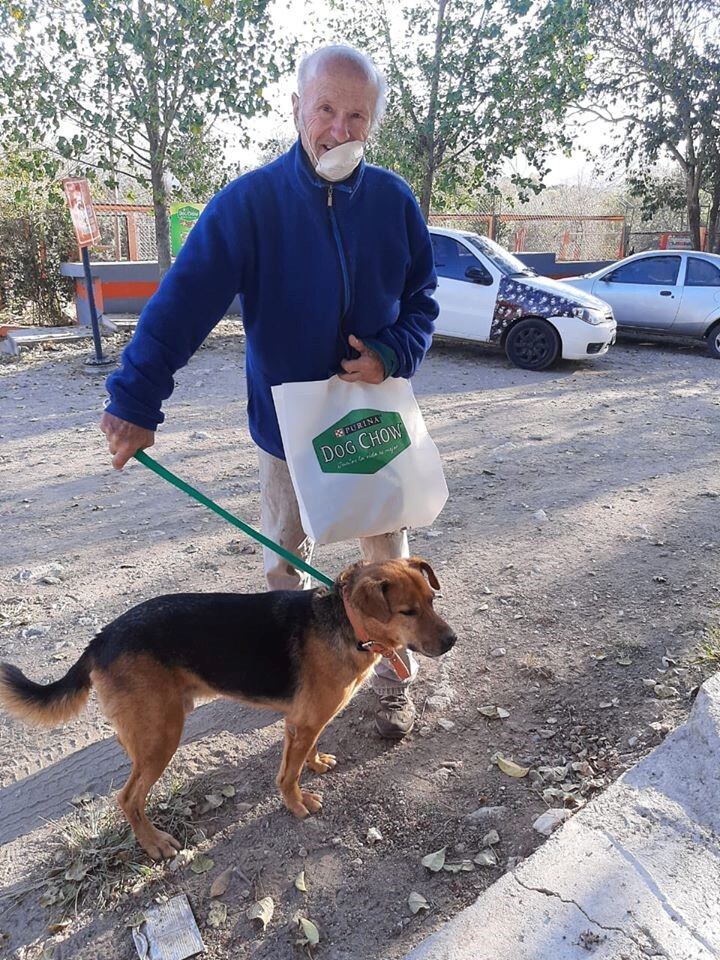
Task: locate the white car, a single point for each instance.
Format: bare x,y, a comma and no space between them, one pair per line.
664,292
487,294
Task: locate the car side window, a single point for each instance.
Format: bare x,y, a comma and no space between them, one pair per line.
701,273
657,271
452,258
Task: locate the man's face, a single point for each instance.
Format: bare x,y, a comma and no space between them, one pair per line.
337,106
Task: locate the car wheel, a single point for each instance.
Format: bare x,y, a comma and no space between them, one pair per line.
532,344
713,342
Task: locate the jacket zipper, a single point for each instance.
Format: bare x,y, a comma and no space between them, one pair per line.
343,266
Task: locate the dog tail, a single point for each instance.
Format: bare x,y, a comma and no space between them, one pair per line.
45,705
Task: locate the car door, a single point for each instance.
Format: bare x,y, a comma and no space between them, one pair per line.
701,297
644,292
467,289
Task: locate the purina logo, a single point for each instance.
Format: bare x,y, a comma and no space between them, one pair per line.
364,441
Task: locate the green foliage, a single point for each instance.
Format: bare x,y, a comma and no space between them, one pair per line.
35,238
472,85
133,82
655,74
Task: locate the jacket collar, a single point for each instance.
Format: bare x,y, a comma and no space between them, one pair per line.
308,180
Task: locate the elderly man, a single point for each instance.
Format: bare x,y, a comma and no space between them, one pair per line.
333,264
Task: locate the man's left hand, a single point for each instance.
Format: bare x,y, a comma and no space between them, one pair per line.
367,368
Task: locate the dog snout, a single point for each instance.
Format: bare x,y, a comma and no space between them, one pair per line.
448,642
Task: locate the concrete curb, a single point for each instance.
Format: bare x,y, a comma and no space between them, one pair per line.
635,874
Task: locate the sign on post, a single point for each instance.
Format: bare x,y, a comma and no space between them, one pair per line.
183,217
82,212
87,232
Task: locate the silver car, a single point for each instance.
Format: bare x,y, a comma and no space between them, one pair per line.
670,292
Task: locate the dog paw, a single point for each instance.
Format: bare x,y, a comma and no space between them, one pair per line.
161,846
313,801
322,762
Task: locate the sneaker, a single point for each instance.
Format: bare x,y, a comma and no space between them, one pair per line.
395,714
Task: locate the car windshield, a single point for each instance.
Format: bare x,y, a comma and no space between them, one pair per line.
497,255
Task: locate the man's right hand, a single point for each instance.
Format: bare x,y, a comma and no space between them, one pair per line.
124,438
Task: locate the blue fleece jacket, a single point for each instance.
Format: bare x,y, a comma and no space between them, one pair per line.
312,263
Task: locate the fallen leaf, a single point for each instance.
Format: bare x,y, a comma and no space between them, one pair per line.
300,882
312,934
184,857
76,872
445,724
511,768
217,916
213,801
262,910
624,662
48,952
464,866
81,799
486,858
493,712
417,902
135,919
435,861
490,839
56,927
228,790
221,883
201,864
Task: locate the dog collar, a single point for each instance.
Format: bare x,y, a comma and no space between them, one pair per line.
368,645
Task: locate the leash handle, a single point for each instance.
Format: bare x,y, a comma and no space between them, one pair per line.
166,474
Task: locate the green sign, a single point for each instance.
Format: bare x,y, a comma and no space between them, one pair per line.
364,441
183,217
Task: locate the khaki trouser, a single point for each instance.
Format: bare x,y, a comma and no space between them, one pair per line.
280,520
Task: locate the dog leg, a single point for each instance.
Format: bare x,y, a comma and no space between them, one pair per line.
320,762
299,740
150,748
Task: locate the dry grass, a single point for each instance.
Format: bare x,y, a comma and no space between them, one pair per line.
708,652
95,859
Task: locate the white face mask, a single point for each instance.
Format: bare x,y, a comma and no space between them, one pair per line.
336,164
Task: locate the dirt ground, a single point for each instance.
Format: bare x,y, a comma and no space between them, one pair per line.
583,621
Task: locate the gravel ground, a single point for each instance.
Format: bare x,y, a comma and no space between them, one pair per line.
577,557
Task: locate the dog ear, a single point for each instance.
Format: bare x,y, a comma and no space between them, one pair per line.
368,597
348,575
424,567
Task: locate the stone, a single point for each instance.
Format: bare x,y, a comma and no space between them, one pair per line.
549,821
484,815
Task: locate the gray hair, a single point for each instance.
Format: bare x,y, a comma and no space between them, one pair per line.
312,63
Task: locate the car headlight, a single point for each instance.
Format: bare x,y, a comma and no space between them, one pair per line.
589,315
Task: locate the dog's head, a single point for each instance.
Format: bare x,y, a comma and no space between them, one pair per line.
394,602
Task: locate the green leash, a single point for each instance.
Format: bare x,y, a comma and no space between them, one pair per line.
250,531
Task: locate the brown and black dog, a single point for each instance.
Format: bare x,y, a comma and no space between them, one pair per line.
302,653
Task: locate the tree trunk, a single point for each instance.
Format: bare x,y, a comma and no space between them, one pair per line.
713,238
157,151
692,181
426,189
430,145
162,221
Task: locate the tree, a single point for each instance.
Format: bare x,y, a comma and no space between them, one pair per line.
35,237
472,84
655,75
132,80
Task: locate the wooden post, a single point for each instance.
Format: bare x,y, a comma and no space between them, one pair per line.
132,236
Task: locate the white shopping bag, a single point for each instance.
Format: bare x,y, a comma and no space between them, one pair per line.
360,457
